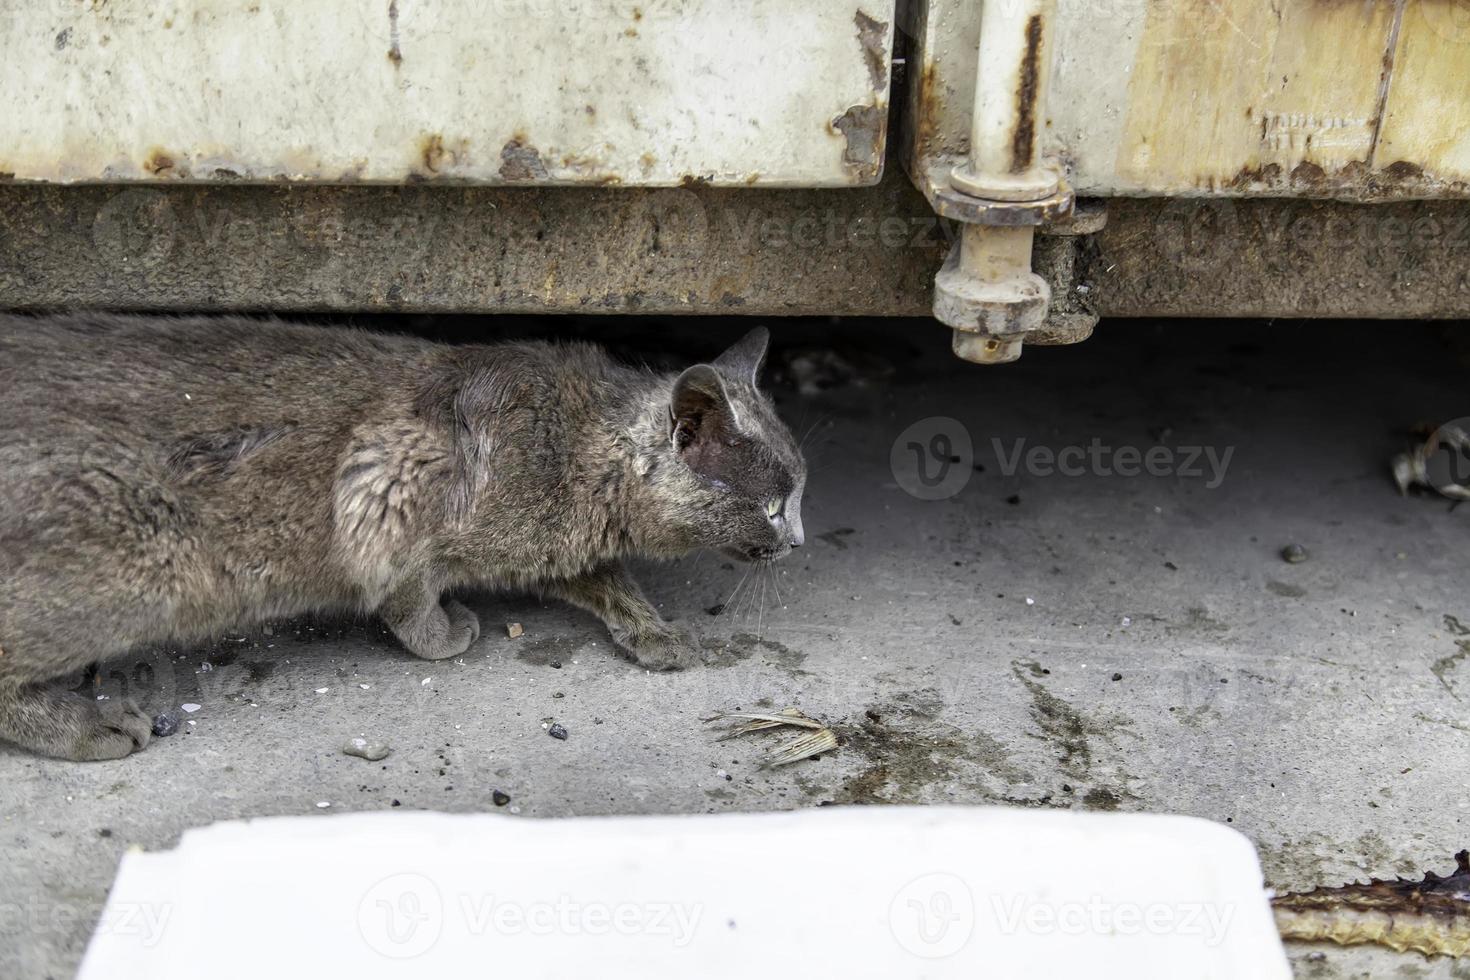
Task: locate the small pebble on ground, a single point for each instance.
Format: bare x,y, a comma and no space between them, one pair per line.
365,749
1294,554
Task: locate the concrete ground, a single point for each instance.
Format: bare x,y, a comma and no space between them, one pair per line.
1093,641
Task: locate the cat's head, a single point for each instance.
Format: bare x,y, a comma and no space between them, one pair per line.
741,474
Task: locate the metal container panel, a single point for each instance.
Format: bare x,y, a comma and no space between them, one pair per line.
570,92
1356,101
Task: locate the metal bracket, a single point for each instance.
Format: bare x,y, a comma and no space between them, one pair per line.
1002,190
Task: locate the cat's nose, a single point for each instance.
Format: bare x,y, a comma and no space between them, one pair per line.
797,538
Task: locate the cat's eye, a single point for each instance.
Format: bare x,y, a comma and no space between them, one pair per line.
773,507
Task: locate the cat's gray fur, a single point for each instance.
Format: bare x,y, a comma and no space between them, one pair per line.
162,480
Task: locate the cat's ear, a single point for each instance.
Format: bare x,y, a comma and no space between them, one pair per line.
700,409
744,359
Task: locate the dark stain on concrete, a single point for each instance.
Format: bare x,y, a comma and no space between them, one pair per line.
743,646
542,650
907,752
1075,737
1286,590
1317,859
1442,667
834,537
1198,618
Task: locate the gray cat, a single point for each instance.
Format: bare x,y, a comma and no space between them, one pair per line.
162,480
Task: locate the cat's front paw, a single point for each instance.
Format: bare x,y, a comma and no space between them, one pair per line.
462,623
672,647
108,730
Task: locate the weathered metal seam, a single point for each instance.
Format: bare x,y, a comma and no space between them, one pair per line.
1385,80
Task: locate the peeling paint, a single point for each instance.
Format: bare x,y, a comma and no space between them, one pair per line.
873,36
518,161
863,127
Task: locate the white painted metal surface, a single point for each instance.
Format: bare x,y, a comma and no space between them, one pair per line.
887,892
637,92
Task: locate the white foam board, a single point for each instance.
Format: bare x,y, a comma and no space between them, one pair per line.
922,892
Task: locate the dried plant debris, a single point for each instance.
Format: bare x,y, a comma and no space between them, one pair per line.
817,738
1430,916
1441,462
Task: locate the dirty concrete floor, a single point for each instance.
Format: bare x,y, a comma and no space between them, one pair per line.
1096,641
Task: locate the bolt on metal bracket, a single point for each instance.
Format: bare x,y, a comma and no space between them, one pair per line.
987,292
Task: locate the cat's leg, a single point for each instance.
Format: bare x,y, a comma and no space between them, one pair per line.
69,726
609,593
427,627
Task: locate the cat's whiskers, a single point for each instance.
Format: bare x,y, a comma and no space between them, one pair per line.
801,443
760,616
727,606
775,585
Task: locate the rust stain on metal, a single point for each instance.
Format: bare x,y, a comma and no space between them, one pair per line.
871,35
431,152
1355,180
395,52
862,126
436,155
1403,170
929,107
158,163
520,161
1308,172
1198,67
1023,140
